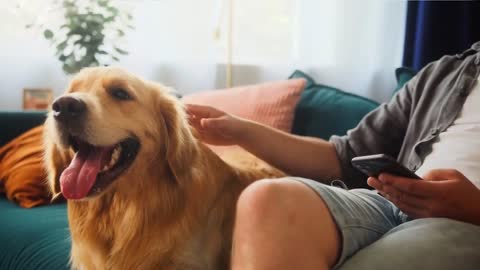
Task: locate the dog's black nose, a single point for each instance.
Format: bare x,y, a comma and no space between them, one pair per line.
68,108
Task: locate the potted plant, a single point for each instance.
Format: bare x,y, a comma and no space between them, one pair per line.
89,33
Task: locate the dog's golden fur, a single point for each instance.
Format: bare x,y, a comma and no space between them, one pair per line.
174,207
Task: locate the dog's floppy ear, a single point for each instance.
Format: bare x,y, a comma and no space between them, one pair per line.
56,161
180,144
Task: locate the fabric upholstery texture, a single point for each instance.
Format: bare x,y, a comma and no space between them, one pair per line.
36,238
324,110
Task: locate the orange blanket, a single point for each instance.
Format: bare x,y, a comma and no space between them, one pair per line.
22,175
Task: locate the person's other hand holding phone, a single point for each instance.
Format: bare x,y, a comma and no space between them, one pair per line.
443,193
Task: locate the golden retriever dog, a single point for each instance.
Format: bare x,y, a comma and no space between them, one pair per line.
142,191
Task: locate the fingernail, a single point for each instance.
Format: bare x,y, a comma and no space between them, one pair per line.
208,124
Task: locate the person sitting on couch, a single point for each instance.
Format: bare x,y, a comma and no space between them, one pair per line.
432,126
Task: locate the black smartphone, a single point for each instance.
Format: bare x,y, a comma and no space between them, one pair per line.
374,165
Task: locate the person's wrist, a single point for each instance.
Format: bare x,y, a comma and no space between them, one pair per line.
246,132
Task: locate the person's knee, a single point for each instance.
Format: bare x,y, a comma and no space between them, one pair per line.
281,198
261,198
287,210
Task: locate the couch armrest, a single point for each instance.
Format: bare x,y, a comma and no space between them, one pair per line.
14,123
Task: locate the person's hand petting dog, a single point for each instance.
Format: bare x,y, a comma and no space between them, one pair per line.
216,127
442,193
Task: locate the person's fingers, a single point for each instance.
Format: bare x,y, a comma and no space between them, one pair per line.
396,195
373,182
201,111
213,123
411,210
410,205
194,122
442,174
421,188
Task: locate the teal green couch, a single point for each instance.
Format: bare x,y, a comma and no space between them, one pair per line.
38,238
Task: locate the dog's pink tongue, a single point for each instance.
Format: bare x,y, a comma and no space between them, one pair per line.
77,180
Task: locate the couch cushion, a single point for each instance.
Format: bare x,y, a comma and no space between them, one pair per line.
403,75
324,110
13,123
298,74
36,238
271,103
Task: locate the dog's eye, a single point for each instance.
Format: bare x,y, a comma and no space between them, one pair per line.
120,93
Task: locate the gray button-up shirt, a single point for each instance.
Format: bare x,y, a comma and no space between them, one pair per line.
406,127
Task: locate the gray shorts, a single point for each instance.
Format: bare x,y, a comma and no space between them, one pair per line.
377,235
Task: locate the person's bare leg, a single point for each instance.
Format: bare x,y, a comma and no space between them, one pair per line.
283,224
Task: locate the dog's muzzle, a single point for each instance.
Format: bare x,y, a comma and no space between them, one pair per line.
68,110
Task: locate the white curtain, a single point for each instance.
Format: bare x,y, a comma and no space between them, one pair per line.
350,44
354,45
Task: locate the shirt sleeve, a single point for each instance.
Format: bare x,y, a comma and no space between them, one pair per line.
381,131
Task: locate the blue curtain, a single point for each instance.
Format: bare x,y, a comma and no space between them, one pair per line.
437,28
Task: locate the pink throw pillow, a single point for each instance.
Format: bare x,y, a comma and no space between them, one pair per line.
270,103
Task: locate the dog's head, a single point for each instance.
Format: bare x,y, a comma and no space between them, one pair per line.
109,127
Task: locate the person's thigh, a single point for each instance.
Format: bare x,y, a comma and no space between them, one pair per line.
362,216
282,224
431,243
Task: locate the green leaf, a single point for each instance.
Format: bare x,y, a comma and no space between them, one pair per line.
48,34
115,58
62,58
109,19
66,58
103,3
113,11
62,46
79,42
120,51
68,69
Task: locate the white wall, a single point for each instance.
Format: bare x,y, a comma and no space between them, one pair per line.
353,45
